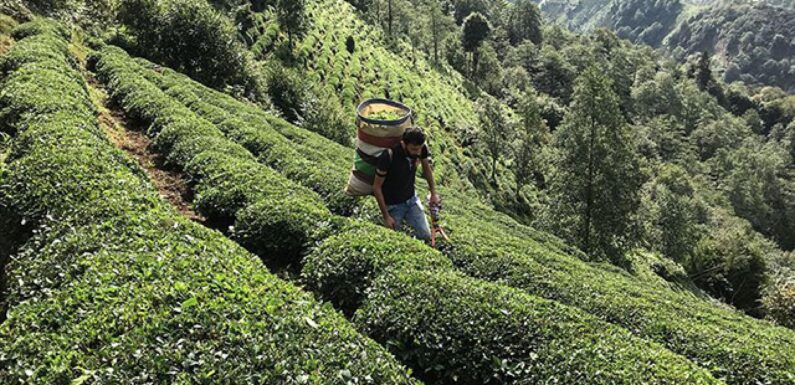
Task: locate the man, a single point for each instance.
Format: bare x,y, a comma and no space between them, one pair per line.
394,183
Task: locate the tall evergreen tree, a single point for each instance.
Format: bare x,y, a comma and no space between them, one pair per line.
703,72
292,18
597,187
495,132
706,80
440,24
524,22
531,135
476,29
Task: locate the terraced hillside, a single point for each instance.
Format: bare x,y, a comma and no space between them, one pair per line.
438,95
277,223
441,97
109,284
113,286
490,246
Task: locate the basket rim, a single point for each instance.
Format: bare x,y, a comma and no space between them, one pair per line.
368,102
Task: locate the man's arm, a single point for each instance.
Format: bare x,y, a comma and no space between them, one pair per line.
379,197
427,172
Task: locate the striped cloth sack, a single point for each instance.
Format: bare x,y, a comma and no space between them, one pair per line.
373,136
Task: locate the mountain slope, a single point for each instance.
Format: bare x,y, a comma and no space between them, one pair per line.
113,286
751,41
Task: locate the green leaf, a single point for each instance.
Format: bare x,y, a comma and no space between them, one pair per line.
180,286
311,322
190,302
82,379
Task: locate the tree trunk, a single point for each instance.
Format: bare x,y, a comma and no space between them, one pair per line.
389,18
435,37
589,190
475,58
467,64
494,169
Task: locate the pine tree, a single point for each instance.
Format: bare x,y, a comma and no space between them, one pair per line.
532,134
524,22
476,29
495,132
597,187
292,18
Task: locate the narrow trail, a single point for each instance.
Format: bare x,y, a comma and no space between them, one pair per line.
131,138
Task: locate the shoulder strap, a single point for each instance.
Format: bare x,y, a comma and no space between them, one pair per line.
389,153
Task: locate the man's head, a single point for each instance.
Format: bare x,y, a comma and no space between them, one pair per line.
413,140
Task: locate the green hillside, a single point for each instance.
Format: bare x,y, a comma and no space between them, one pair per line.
276,276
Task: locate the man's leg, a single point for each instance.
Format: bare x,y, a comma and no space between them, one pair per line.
398,212
415,217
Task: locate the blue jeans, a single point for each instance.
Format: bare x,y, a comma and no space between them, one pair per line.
411,210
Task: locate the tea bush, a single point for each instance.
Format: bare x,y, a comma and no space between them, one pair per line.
469,331
342,268
190,36
224,185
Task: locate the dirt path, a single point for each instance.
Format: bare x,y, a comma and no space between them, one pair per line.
132,139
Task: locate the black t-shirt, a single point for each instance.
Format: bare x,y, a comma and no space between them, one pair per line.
400,172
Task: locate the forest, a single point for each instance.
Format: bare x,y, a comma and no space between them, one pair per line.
749,41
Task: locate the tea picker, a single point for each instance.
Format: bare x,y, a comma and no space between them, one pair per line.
390,149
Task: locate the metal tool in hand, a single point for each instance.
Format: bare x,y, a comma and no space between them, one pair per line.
436,227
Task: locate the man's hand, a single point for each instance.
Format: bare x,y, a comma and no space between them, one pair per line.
435,199
427,170
389,221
